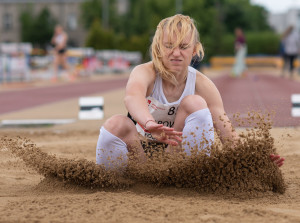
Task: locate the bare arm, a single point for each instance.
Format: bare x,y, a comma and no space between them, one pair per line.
136,90
210,93
223,126
140,80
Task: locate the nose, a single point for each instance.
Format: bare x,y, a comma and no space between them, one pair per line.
176,51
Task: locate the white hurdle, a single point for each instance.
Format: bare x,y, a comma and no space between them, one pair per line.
295,98
91,108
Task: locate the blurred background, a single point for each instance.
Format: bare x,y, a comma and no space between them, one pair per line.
114,35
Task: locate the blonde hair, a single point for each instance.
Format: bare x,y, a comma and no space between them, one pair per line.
179,26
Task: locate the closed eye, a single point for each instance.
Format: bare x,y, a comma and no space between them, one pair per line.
169,46
184,46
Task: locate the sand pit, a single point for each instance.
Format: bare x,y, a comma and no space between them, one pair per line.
45,192
48,181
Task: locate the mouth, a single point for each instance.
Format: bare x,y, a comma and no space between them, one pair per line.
176,60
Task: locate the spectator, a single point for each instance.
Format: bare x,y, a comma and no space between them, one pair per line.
283,56
240,48
291,44
59,41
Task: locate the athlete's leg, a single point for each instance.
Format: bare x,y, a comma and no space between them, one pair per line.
194,119
111,151
118,136
64,61
65,65
55,67
292,67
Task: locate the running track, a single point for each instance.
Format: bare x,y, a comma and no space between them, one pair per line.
259,92
255,92
11,101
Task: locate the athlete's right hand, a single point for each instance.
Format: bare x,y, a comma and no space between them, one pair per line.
163,133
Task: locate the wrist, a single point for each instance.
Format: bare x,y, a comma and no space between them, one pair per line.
149,120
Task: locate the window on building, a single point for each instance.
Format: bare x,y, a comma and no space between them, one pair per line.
7,21
72,22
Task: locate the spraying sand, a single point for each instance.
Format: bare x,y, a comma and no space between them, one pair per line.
158,193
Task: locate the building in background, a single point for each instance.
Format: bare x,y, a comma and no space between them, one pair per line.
279,22
65,12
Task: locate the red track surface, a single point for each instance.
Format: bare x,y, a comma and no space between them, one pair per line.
256,92
264,93
16,100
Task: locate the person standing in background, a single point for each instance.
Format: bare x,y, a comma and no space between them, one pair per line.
240,48
291,44
59,40
283,55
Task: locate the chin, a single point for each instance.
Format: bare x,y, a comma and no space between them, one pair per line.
176,71
178,68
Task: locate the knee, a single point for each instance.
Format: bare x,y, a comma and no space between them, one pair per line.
192,103
119,125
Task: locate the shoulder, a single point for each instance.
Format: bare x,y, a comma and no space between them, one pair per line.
148,66
202,81
145,70
208,90
205,87
142,77
143,73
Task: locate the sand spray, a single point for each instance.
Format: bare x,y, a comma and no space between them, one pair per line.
243,167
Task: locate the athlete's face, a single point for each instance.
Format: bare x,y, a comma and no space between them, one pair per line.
177,58
58,29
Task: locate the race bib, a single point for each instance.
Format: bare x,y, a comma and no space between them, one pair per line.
162,113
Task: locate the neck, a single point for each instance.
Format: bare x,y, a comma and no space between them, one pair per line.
181,77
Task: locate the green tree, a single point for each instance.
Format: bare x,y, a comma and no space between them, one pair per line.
215,20
43,27
263,42
99,38
160,9
26,20
240,13
37,30
92,10
205,14
137,19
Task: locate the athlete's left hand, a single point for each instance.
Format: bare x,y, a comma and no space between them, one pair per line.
279,161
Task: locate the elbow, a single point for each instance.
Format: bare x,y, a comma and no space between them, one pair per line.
126,101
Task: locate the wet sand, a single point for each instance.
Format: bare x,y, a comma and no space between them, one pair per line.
29,195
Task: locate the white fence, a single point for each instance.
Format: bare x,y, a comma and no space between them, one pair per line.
14,61
17,63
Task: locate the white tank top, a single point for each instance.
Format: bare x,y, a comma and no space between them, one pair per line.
162,111
59,39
